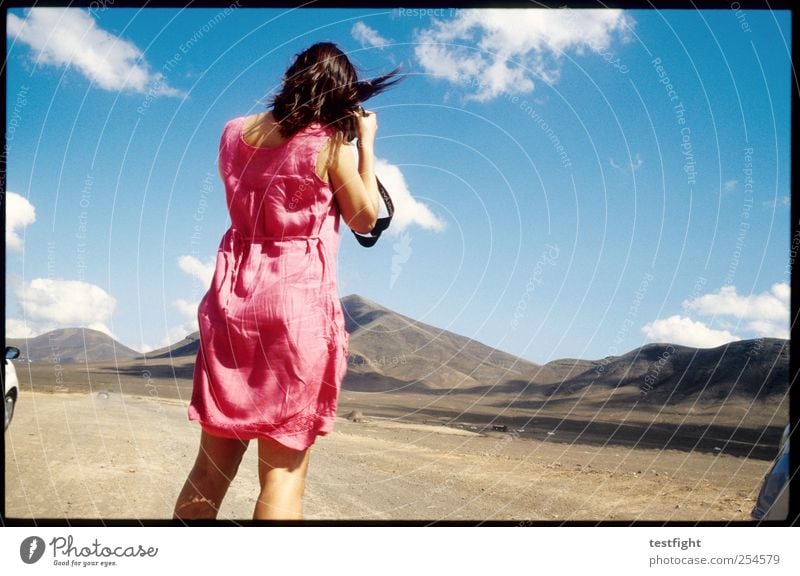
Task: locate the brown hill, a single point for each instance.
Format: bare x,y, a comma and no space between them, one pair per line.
389,350
71,345
392,352
668,373
186,347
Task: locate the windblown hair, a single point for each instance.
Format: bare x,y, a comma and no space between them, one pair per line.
322,85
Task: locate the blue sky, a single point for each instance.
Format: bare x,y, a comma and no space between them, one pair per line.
570,183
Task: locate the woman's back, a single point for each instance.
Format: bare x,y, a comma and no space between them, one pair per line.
276,190
273,340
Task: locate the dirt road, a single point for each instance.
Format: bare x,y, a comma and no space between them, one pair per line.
112,456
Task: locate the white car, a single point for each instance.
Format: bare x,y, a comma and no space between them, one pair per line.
773,498
10,386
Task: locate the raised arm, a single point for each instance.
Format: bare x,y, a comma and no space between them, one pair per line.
354,186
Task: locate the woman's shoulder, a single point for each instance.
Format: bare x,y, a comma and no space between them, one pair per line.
234,122
229,133
232,127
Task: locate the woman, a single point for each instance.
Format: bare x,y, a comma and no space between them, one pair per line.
273,344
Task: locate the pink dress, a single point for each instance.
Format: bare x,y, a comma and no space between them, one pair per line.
273,344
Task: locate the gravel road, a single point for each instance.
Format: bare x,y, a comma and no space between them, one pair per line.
112,456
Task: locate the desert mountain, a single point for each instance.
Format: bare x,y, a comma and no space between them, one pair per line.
71,345
667,373
392,352
186,347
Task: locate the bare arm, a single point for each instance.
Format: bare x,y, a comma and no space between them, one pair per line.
354,186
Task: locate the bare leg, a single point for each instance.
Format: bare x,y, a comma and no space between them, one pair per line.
282,473
215,467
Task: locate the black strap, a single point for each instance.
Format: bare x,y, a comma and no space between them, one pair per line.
381,224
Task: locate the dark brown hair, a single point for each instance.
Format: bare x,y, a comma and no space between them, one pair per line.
322,85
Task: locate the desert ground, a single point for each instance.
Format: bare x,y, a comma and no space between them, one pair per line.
124,454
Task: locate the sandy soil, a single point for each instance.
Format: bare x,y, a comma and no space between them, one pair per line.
107,455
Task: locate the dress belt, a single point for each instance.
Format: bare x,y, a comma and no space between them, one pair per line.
236,236
255,238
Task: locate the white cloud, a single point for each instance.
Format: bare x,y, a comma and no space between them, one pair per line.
687,332
628,168
19,214
49,303
70,37
769,329
762,315
765,314
16,328
203,271
501,51
779,201
188,310
367,36
408,210
770,305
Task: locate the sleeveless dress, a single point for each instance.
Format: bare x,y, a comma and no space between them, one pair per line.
273,344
